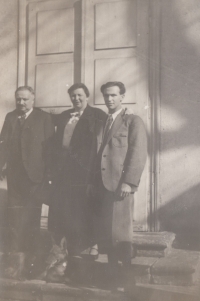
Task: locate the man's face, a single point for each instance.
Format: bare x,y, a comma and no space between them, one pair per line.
113,98
24,101
79,99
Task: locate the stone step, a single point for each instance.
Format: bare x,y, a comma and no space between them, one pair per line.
145,244
179,267
40,290
152,244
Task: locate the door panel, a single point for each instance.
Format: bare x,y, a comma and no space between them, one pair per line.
53,37
116,49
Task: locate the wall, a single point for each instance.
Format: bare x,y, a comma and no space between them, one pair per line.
179,199
8,55
8,67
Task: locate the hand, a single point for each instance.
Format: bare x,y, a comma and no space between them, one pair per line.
124,190
49,176
90,190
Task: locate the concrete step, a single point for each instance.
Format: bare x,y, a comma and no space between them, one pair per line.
39,290
145,244
152,244
179,267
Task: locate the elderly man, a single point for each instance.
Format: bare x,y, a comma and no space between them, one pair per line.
118,158
69,214
24,139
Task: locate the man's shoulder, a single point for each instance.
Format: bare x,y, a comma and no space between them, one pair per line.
65,113
98,113
133,118
11,115
39,113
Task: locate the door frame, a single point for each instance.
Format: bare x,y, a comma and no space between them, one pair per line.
154,83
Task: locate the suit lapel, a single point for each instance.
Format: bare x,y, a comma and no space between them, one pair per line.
30,120
116,125
14,122
100,128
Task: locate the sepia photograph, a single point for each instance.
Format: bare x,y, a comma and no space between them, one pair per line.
99,150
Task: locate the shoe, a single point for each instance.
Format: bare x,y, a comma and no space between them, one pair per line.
90,253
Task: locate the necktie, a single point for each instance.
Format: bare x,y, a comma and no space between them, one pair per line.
22,119
74,117
107,127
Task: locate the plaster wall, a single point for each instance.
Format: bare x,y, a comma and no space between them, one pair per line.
8,55
8,69
179,195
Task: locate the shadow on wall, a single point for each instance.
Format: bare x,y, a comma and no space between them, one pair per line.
3,219
182,216
179,198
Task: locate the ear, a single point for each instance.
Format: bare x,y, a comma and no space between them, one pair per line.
122,97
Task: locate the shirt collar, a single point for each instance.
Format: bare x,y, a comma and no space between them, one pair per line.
26,114
76,113
114,115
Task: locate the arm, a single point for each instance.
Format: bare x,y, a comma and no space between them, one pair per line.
135,157
4,141
137,152
49,130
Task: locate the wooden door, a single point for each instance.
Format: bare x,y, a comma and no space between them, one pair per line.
116,49
91,41
53,51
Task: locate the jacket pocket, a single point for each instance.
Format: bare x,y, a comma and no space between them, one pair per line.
120,140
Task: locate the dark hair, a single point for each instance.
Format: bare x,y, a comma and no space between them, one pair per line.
121,86
25,88
79,86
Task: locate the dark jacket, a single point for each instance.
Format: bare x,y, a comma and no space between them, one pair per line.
35,138
81,141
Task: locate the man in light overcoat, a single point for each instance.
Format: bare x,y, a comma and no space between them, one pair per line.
118,159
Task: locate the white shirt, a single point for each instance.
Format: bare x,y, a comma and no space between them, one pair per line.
28,113
114,116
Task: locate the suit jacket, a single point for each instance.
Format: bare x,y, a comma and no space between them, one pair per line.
122,157
69,210
81,141
35,136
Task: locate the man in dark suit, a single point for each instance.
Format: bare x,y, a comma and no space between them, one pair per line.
24,146
118,159
69,213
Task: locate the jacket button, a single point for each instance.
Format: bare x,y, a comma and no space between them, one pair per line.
104,155
103,169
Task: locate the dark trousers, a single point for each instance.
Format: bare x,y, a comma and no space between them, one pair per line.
23,211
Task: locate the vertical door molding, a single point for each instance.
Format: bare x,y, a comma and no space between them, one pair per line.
21,73
155,106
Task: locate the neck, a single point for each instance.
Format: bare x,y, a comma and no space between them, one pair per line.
80,109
